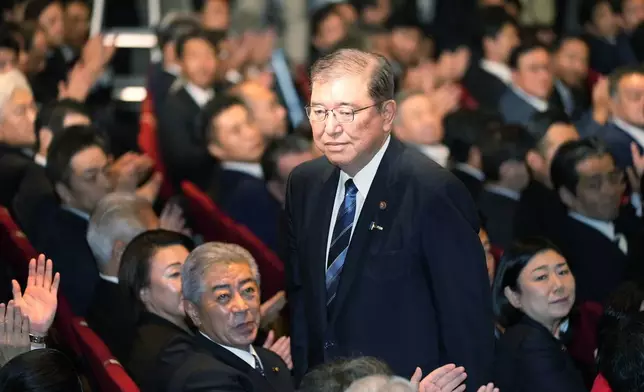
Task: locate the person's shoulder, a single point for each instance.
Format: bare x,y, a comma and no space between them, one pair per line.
269,358
424,172
310,170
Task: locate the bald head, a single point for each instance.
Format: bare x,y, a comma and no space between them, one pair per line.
268,113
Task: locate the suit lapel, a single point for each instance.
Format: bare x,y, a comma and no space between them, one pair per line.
276,374
363,235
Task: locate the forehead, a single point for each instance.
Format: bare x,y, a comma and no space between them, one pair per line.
52,10
336,91
416,101
167,255
596,164
230,116
537,55
77,8
88,158
256,91
573,44
560,133
198,43
228,273
21,96
634,80
547,258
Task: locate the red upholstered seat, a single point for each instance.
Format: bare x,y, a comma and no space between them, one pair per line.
107,371
601,385
584,339
215,225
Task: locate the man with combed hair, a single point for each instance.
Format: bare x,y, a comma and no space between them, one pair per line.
384,256
220,286
381,383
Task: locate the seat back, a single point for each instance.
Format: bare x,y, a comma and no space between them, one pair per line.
107,371
215,225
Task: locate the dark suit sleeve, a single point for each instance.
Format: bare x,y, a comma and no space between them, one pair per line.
456,266
299,338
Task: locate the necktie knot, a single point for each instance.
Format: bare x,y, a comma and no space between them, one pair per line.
350,189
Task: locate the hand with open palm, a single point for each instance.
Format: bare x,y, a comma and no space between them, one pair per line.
39,301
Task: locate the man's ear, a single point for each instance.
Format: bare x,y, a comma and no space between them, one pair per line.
192,312
388,112
216,151
512,297
567,197
63,192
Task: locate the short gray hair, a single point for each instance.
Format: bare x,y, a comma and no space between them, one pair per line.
9,83
381,383
346,62
119,216
205,256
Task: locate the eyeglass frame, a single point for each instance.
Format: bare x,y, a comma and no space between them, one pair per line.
326,112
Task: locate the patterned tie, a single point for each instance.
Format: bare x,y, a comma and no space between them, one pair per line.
340,240
258,366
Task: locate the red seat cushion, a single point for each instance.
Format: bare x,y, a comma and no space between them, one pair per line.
601,385
108,372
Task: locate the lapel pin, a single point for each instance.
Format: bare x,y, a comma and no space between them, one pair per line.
383,205
373,226
276,370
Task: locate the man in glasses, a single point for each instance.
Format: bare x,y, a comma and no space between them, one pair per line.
385,259
600,241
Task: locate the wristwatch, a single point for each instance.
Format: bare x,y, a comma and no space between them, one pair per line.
37,339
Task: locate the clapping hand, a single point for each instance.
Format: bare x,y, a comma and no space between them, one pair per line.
40,300
172,219
14,332
448,378
635,172
488,388
270,309
281,347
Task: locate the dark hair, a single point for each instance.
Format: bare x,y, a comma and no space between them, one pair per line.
621,306
526,47
134,271
465,129
565,38
338,375
502,144
183,40
513,261
320,15
173,26
540,123
52,115
28,31
36,7
617,75
44,370
493,19
8,40
65,145
622,356
587,9
211,111
563,169
291,144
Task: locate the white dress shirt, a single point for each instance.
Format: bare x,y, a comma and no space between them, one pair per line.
201,96
505,192
362,180
500,70
471,170
111,279
537,103
438,153
252,169
606,228
247,356
77,212
633,131
40,160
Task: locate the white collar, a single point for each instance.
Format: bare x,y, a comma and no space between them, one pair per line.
505,192
471,170
247,356
537,103
173,69
606,228
364,178
200,95
77,212
500,70
40,160
111,279
252,169
438,153
633,131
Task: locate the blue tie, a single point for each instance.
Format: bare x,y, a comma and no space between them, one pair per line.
340,240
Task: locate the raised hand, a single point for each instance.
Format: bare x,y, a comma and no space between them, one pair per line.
448,378
172,219
281,347
271,309
40,299
488,388
14,332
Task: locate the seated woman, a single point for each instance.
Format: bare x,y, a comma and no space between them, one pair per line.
533,294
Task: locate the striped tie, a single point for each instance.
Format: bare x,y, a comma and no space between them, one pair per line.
340,240
258,366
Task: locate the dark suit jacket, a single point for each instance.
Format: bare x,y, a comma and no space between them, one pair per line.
45,83
579,100
35,198
152,334
159,83
428,252
529,359
198,364
539,213
514,109
473,184
13,165
499,211
619,144
62,238
108,317
484,87
606,56
247,201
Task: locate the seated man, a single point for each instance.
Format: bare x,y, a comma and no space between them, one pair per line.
220,286
280,158
233,138
265,108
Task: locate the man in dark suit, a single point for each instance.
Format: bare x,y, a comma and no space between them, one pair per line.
415,227
570,65
626,87
239,187
220,284
602,245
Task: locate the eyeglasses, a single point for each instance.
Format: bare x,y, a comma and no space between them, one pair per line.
343,114
596,182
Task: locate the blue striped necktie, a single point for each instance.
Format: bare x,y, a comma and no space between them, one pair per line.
340,240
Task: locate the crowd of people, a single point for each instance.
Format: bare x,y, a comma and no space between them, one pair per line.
461,206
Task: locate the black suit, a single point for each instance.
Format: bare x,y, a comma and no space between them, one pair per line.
472,183
540,212
428,253
198,364
484,87
530,359
13,165
35,198
109,318
499,211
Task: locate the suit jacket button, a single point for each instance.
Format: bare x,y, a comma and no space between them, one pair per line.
328,344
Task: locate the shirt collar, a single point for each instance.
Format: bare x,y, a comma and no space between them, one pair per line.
252,169
40,160
499,190
606,228
200,95
173,69
537,103
438,153
77,212
247,356
633,131
364,178
471,170
500,70
111,279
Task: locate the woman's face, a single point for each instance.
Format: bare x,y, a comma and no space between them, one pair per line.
17,120
163,296
546,289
